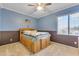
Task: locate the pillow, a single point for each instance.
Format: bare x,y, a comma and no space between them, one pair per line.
33,33
27,32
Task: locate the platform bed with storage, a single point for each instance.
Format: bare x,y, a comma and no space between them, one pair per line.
34,40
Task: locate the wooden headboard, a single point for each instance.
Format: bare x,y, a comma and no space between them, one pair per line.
24,29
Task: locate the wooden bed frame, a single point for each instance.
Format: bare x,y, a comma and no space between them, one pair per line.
32,46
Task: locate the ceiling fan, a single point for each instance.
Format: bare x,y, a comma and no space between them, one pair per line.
40,6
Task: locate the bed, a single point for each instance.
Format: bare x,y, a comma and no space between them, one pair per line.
34,40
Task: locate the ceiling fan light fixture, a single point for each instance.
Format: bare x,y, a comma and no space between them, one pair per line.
39,8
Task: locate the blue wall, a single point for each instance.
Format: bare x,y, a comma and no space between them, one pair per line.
0,15
48,23
12,21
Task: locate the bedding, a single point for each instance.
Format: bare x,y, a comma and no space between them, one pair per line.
35,33
37,36
33,38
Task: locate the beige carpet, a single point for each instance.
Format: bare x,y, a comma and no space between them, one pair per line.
55,49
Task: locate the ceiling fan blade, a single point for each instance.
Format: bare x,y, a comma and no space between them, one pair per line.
48,3
30,5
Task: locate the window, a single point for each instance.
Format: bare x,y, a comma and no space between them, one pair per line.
63,24
69,24
74,24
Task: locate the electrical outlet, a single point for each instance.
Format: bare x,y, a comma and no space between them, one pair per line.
78,38
11,39
75,42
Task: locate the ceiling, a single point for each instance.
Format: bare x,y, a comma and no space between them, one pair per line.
23,8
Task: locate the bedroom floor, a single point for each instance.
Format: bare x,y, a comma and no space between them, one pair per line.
55,49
